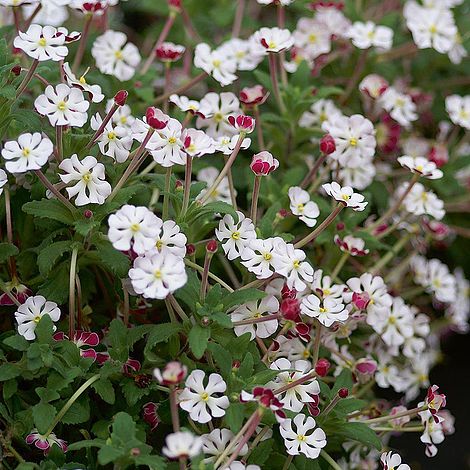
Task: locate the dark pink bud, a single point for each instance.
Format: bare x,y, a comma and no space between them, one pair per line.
322,366
327,144
343,392
88,214
263,163
439,155
361,300
190,249
236,364
242,123
174,5
156,119
212,246
178,185
252,96
16,70
340,226
120,97
366,366
283,213
290,309
287,293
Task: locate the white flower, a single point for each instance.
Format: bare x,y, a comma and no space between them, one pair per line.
459,310
374,287
123,115
114,57
430,27
392,461
321,111
420,202
63,106
327,312
399,106
352,245
184,103
301,205
42,43
421,166
354,138
3,180
289,262
170,239
158,274
458,108
302,441
323,287
226,144
394,325
333,20
433,431
258,257
312,38
215,63
53,12
166,145
222,193
216,109
240,51
30,313
281,2
296,397
272,40
28,152
256,309
235,236
358,177
236,465
182,444
216,442
197,143
365,35
89,175
198,398
133,227
93,90
115,142
440,281
345,195
457,52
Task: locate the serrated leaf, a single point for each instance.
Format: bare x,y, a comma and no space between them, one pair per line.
359,432
56,286
49,209
117,336
49,255
6,251
198,340
246,367
16,342
43,415
104,388
78,413
161,333
242,296
222,357
113,259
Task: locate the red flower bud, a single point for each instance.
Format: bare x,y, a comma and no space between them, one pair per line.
190,249
439,155
120,97
290,309
322,366
283,213
287,293
178,185
88,214
242,123
212,246
327,144
16,70
236,364
361,300
156,118
263,164
343,392
340,226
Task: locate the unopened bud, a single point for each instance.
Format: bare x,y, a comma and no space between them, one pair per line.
340,226
179,185
135,452
120,97
88,214
343,392
16,70
290,309
156,118
327,144
190,249
205,321
212,246
236,364
322,366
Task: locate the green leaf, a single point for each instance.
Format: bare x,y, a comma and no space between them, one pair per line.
17,342
49,209
242,296
246,367
56,286
234,417
124,427
49,255
349,405
44,330
104,388
43,415
222,357
261,452
133,393
7,250
78,413
47,395
263,377
10,387
8,92
117,336
344,380
113,259
161,333
216,207
359,432
222,319
189,293
108,454
9,371
198,340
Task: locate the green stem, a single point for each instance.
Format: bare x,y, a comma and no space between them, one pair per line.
317,342
70,402
254,199
391,254
187,184
408,429
383,419
73,269
288,462
166,194
212,276
332,463
339,265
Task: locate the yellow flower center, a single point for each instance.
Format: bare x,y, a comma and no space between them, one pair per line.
300,207
323,310
399,102
323,117
82,80
218,117
214,193
272,45
392,320
301,438
235,235
296,264
306,354
463,114
326,292
353,142
157,274
111,135
267,256
424,197
437,283
61,105
118,54
42,42
433,29
423,378
204,396
123,119
312,38
86,177
192,148
172,140
26,152
371,34
257,315
37,319
345,197
240,54
159,245
135,228
419,167
216,63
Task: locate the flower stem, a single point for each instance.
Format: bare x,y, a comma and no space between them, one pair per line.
28,22
54,190
59,132
163,35
311,174
126,308
288,462
132,165
237,22
182,88
166,194
339,265
187,183
332,463
73,269
71,401
405,429
358,69
321,227
295,383
175,419
103,124
383,419
231,186
9,221
27,78
254,199
225,169
82,45
316,343
252,321
274,81
390,254
212,276
205,276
